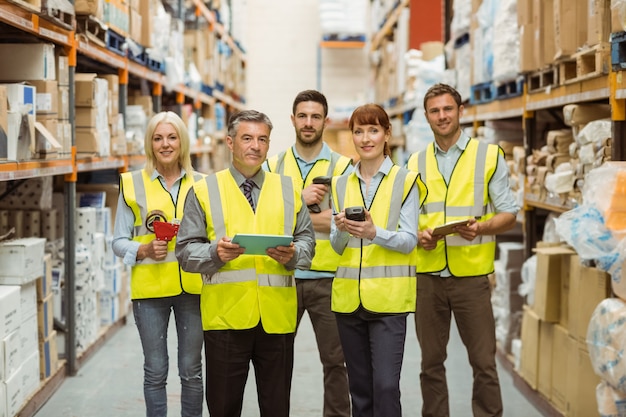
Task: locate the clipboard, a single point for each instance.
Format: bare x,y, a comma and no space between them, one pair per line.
258,244
448,228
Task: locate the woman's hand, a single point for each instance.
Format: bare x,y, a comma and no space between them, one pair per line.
157,250
360,229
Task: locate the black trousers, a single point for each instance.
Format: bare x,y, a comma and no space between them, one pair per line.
228,354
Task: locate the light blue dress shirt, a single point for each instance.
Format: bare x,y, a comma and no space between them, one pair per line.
404,239
500,192
305,168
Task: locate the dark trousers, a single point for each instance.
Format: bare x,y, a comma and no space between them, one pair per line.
228,354
469,299
314,297
374,348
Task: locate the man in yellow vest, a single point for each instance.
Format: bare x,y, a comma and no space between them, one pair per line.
307,162
468,182
248,301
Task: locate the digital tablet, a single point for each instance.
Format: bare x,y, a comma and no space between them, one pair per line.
448,228
258,244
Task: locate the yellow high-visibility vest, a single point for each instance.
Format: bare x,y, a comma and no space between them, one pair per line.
379,279
325,259
466,196
251,287
150,201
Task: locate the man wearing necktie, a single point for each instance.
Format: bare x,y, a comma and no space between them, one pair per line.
248,302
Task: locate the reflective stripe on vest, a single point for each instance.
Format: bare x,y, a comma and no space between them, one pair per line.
147,198
285,163
469,180
382,280
251,287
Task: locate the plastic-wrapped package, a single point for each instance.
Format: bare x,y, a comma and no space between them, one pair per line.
606,338
611,403
583,228
527,287
506,45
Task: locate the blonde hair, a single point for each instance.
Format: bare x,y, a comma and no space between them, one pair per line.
184,159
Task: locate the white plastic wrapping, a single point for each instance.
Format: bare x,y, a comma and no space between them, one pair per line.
606,339
583,228
611,403
562,180
506,45
594,132
527,287
461,19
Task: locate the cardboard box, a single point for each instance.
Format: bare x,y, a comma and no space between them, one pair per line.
64,103
89,7
63,70
566,262
568,34
599,22
11,353
527,44
544,363
86,117
29,61
524,12
46,145
90,90
30,374
530,347
28,335
21,260
594,286
10,309
582,382
147,10
47,96
547,302
28,300
560,374
543,18
14,394
20,95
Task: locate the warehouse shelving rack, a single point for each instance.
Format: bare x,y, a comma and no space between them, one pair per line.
27,20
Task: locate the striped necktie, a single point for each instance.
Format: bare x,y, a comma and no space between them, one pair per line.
247,191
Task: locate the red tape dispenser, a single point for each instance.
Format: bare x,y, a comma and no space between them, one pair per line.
165,230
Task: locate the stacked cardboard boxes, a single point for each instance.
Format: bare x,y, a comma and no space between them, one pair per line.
554,356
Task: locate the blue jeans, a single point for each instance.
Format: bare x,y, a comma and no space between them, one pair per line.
152,319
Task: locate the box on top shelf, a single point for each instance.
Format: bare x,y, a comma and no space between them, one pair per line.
29,61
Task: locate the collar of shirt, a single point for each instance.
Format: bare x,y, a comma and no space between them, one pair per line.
305,166
155,174
239,177
460,144
384,168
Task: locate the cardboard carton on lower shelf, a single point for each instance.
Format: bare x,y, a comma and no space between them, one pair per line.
582,382
547,302
530,347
